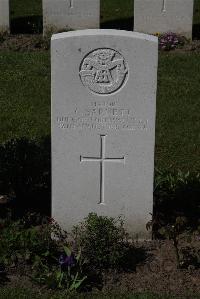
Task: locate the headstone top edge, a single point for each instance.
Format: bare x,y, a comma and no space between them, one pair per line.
105,32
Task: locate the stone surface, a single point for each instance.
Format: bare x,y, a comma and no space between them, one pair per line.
4,16
151,16
103,126
74,14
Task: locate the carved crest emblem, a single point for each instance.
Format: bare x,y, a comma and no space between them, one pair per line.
104,71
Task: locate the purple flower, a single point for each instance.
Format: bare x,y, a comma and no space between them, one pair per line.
67,261
169,41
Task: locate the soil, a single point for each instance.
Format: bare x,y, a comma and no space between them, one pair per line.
24,42
36,42
157,273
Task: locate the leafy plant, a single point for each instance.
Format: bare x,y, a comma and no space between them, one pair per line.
190,257
187,256
42,248
22,244
71,266
103,241
170,41
3,36
67,273
3,274
173,232
176,194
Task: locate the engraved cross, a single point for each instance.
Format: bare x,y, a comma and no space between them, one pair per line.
102,160
164,6
71,3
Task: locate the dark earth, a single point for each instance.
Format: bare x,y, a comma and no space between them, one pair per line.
37,43
157,273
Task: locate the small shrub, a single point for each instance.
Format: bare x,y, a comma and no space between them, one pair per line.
103,241
3,274
189,257
187,252
170,41
176,194
3,36
51,262
22,244
173,232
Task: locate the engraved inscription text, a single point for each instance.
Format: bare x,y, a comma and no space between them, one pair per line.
104,115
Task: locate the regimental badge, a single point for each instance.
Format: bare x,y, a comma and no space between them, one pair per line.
104,71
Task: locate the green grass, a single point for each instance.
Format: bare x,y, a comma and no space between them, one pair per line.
19,293
24,94
23,8
25,104
116,9
178,106
196,19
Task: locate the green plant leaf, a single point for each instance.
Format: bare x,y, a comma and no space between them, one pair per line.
67,250
76,283
78,255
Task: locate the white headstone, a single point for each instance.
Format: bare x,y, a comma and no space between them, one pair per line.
70,14
103,126
4,16
152,16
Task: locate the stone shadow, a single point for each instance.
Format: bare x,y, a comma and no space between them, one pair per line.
177,198
25,177
121,24
27,25
196,31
